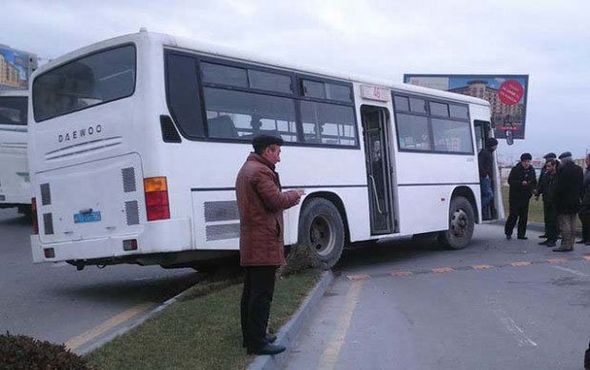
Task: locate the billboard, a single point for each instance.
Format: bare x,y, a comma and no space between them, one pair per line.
15,68
507,95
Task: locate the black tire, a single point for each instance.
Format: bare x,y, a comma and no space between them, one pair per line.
321,227
461,224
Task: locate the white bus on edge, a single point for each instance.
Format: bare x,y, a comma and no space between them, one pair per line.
135,143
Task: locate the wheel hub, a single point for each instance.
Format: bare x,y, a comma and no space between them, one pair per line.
321,236
459,223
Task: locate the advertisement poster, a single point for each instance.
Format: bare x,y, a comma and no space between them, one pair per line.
507,95
15,68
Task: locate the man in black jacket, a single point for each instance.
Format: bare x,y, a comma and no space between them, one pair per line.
546,188
522,181
541,186
485,160
567,200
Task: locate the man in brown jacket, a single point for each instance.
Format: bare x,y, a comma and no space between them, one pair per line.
261,204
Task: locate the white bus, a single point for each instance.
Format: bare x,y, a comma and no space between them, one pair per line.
15,186
136,141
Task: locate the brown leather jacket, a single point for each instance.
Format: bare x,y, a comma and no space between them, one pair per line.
261,204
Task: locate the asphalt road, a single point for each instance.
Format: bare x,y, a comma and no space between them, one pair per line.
55,302
496,305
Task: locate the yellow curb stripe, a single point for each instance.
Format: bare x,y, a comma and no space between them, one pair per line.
520,264
330,355
401,273
442,270
76,342
357,277
482,267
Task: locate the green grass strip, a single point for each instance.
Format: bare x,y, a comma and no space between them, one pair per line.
199,331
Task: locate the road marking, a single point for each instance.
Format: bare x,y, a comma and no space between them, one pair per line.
482,267
442,270
520,263
515,330
401,273
572,271
330,356
478,267
80,340
556,260
357,277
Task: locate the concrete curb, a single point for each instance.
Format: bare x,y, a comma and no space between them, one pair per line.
287,334
124,328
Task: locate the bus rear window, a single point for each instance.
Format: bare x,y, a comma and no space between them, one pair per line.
95,79
13,111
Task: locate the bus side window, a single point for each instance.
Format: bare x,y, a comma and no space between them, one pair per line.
222,127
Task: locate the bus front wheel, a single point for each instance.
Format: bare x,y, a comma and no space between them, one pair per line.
322,229
461,224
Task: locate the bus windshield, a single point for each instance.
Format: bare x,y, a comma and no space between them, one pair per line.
95,79
13,111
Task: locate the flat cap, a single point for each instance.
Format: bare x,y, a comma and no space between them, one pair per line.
565,155
266,140
550,155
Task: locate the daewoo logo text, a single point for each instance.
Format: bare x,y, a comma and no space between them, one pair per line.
78,134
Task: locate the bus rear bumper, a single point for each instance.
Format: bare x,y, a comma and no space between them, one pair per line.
155,237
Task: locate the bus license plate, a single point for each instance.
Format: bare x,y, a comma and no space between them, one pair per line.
86,217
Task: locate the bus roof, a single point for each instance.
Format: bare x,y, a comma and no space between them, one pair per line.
231,53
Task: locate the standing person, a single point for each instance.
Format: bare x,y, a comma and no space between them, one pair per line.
585,209
567,200
546,188
485,160
522,181
541,187
260,205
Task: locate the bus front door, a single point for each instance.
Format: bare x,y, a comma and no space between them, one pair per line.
378,159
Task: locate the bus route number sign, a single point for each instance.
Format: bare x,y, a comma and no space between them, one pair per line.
375,93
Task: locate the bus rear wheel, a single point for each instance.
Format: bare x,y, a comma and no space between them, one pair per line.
322,229
461,224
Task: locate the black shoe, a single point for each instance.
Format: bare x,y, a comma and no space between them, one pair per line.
545,242
560,249
551,244
544,236
508,237
268,349
269,338
522,238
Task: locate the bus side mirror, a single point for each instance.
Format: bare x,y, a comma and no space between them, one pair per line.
509,137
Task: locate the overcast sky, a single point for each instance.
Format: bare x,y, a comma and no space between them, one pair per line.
548,40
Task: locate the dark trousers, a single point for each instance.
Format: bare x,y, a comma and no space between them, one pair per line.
259,286
518,212
585,218
551,224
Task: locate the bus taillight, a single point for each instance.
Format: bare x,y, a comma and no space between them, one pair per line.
156,198
34,216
